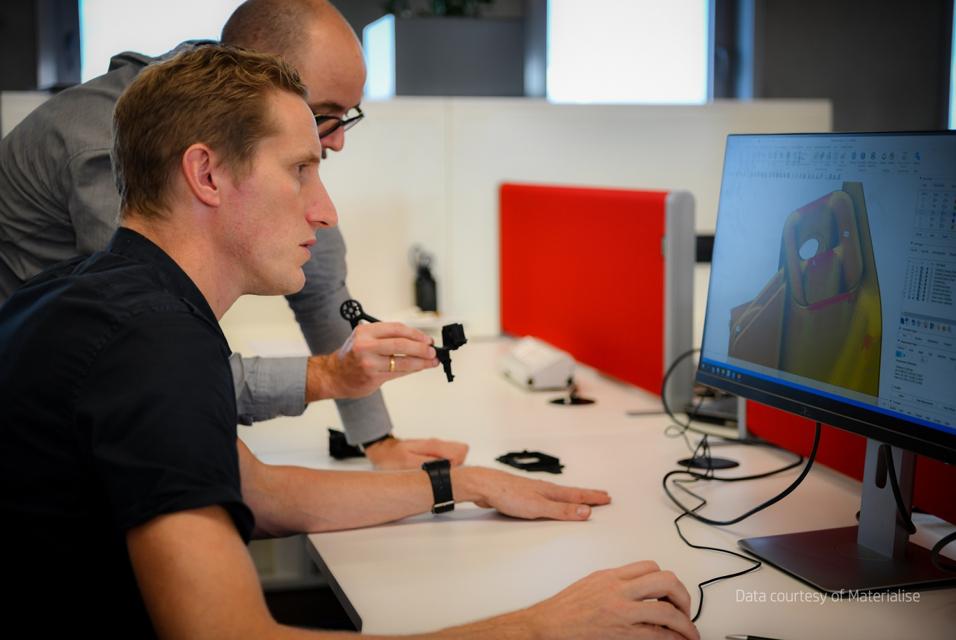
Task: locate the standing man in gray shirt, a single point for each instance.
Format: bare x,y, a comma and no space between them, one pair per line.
58,200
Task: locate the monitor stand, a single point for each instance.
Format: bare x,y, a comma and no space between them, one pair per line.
875,555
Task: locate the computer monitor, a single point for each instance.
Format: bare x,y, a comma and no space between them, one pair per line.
833,295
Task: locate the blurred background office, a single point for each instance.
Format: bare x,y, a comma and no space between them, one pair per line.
884,64
620,93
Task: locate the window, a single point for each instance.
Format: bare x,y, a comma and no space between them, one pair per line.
378,40
629,51
108,27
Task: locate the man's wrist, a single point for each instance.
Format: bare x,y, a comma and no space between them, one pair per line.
465,484
317,379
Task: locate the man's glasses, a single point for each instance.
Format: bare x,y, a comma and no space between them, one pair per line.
330,124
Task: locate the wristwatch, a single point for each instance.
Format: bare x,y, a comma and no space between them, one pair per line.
439,472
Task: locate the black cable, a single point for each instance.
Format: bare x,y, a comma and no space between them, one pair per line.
666,379
709,475
935,554
684,427
704,447
887,452
680,431
755,564
772,501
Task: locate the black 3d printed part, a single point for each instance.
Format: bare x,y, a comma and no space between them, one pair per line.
531,461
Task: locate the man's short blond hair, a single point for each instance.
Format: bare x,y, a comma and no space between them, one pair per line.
214,94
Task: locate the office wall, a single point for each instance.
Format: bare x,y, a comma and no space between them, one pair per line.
16,105
426,170
884,64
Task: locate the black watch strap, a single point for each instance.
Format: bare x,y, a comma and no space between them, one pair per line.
439,472
365,445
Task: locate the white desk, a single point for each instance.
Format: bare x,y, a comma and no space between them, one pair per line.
428,572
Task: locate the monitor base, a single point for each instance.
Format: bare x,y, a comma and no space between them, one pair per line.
831,561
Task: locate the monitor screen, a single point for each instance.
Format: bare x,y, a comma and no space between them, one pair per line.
833,282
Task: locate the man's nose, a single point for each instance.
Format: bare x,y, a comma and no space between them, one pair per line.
322,213
335,141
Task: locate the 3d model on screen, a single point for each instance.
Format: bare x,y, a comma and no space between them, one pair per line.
819,316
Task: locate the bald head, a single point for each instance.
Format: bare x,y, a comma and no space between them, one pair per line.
313,37
272,26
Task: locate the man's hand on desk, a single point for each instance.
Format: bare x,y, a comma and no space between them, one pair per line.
523,497
392,454
374,354
637,600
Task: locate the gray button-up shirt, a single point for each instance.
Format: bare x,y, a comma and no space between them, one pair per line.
58,199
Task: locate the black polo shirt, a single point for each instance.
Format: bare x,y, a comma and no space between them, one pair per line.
116,406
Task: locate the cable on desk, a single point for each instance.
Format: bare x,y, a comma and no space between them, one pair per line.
709,475
680,429
935,554
772,501
684,426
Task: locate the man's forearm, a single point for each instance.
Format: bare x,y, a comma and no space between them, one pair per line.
288,499
295,499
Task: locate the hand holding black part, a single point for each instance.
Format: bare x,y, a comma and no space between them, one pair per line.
352,311
452,335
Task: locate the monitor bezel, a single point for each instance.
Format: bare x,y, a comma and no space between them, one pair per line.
899,432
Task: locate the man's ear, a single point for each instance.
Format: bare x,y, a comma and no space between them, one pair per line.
202,172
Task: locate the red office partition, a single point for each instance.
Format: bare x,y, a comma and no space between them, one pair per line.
583,269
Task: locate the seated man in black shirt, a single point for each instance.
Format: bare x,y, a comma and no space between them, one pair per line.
126,495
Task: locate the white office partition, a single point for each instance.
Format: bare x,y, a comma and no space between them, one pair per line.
427,170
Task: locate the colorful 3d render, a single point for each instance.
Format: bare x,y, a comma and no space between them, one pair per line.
819,316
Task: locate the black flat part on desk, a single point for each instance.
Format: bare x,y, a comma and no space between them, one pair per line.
576,400
340,449
531,461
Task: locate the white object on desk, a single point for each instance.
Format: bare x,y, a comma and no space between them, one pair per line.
536,365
